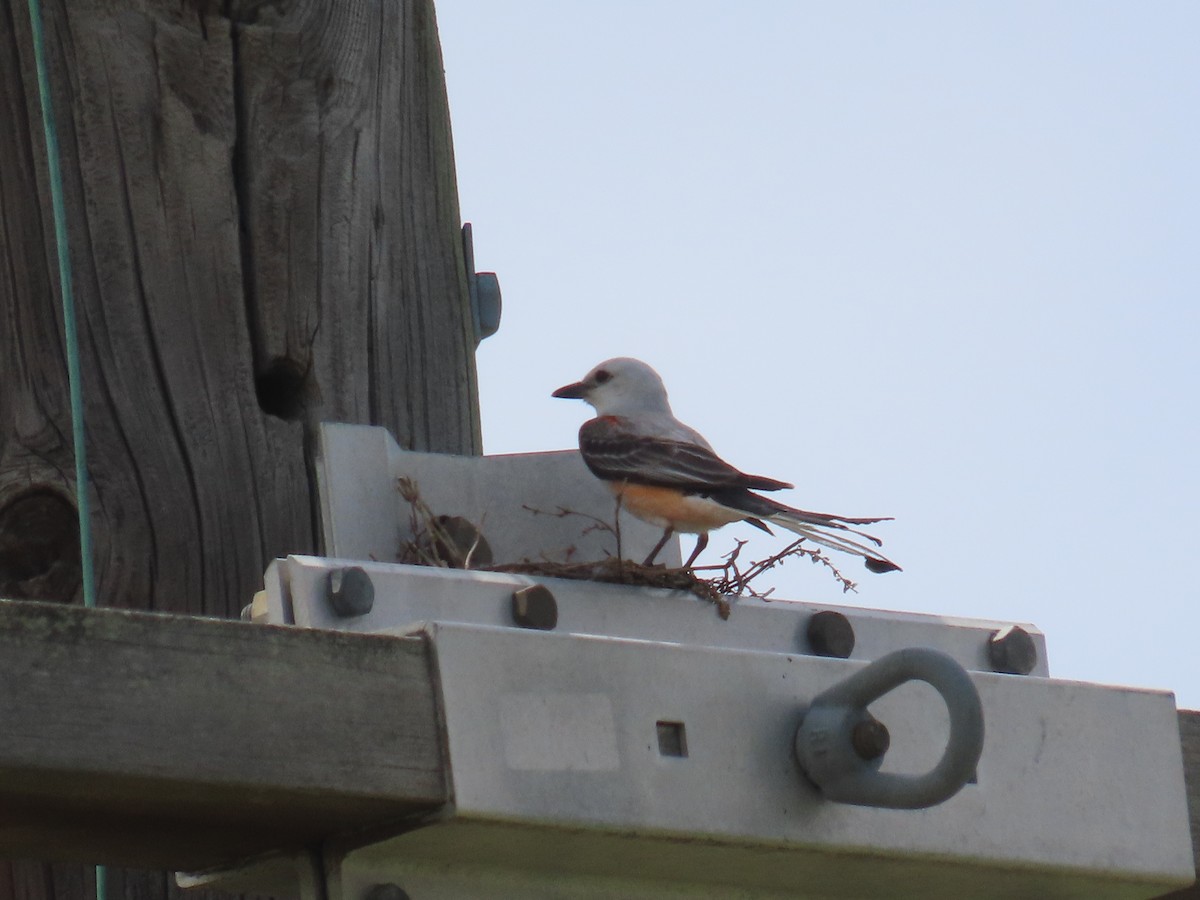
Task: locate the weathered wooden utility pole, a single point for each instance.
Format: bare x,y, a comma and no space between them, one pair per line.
264,233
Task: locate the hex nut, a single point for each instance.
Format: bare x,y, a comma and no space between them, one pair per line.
1012,651
870,739
535,607
830,633
351,592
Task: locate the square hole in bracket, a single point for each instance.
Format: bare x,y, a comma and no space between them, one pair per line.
672,739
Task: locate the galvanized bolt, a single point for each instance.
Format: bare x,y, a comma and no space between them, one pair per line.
830,634
535,607
351,592
870,739
836,733
387,891
1012,651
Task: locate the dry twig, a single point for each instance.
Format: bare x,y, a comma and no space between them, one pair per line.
447,542
735,581
436,543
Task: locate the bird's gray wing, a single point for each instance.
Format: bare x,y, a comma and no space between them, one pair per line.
615,452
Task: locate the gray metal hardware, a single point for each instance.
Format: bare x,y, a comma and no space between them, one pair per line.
613,741
535,607
566,753
830,633
836,728
1012,651
351,592
513,499
484,291
407,594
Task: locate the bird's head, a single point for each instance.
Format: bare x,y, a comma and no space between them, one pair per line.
620,387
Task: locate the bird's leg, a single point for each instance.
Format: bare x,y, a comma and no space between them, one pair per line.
661,543
701,543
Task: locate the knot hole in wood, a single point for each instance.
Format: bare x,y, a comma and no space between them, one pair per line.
282,388
39,546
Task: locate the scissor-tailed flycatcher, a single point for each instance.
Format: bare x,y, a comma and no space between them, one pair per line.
667,474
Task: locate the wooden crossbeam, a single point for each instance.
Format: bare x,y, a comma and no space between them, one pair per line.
156,740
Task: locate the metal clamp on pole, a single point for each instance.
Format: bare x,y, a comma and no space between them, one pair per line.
840,746
483,290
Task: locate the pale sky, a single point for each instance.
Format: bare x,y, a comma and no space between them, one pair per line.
935,260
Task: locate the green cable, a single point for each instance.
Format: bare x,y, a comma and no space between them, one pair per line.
71,333
68,303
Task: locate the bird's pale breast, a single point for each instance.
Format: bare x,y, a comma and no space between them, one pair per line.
668,507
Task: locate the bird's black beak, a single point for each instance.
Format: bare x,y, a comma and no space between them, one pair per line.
576,391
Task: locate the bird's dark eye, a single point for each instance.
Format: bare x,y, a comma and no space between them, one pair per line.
602,376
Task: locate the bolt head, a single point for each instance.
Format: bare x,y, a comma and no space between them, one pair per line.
1012,651
830,634
351,592
870,739
535,607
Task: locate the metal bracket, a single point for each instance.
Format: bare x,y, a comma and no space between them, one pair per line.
589,766
840,746
483,289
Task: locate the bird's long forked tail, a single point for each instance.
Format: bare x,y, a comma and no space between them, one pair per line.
816,528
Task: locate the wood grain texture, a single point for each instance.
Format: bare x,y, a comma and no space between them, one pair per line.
264,234
261,208
186,742
329,154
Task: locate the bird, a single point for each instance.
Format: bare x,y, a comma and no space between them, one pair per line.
665,472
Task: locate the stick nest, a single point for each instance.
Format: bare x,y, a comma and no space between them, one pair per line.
456,543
